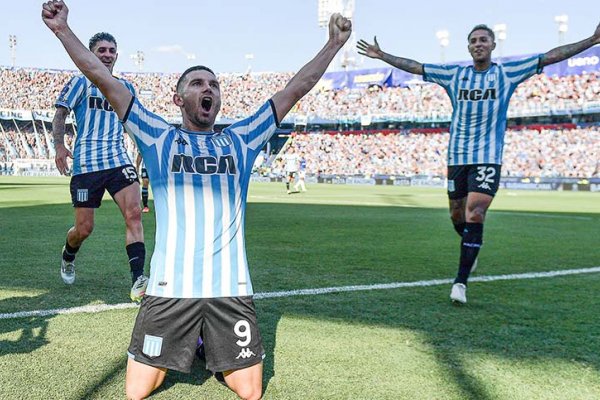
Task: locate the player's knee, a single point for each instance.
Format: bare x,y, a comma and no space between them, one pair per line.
133,216
477,215
135,392
84,229
249,392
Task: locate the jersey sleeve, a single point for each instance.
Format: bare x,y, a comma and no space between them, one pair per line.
256,130
440,74
519,70
144,127
71,93
130,87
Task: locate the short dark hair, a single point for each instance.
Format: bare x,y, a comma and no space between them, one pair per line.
482,27
102,36
191,69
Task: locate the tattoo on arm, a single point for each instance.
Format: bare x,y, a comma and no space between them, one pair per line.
405,64
59,126
563,52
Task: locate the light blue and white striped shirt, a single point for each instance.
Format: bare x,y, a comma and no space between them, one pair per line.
200,184
99,144
480,103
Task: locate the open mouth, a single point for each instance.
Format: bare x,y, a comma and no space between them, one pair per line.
206,103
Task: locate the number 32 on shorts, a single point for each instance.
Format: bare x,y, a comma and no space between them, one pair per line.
485,174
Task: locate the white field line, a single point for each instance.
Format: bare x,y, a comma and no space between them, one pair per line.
537,215
310,292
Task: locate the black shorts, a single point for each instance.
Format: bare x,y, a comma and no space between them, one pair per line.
480,178
166,333
144,173
88,189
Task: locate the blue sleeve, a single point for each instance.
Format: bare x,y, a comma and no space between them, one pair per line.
256,130
71,93
144,126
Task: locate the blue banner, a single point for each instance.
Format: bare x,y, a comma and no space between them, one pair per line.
585,62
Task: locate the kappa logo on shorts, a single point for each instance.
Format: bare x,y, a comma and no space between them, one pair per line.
82,195
245,353
485,185
152,345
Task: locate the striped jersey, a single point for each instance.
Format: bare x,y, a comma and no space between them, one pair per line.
99,144
200,184
479,103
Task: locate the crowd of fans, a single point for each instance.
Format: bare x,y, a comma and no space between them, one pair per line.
35,89
528,153
569,153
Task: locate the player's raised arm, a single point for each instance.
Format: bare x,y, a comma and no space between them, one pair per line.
340,29
569,50
374,51
54,15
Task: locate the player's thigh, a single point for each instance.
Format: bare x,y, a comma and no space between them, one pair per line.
245,380
458,182
166,332
230,332
87,189
484,178
123,185
142,379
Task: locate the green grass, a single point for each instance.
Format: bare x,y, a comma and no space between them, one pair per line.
515,339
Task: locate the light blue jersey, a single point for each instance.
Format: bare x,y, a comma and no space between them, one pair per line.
480,103
99,144
200,185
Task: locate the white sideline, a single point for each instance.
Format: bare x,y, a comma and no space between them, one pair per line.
308,292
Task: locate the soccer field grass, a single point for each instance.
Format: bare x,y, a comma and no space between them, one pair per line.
536,338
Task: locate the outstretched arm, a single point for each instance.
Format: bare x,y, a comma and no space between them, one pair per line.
54,15
340,29
569,50
374,51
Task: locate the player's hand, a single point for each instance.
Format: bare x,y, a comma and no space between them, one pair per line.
369,50
61,158
54,15
340,29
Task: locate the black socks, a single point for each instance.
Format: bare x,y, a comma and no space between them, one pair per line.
472,239
137,256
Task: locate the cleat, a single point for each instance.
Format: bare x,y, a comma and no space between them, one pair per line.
145,210
459,293
138,290
474,267
67,270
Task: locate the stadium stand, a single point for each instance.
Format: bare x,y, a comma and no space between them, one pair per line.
369,131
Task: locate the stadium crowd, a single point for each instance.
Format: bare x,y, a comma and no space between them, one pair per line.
568,153
528,153
35,89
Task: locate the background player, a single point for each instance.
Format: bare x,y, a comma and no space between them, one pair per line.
199,282
100,163
301,174
141,168
291,168
480,94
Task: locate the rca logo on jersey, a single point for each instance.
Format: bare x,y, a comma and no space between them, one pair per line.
245,353
477,94
205,165
99,103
